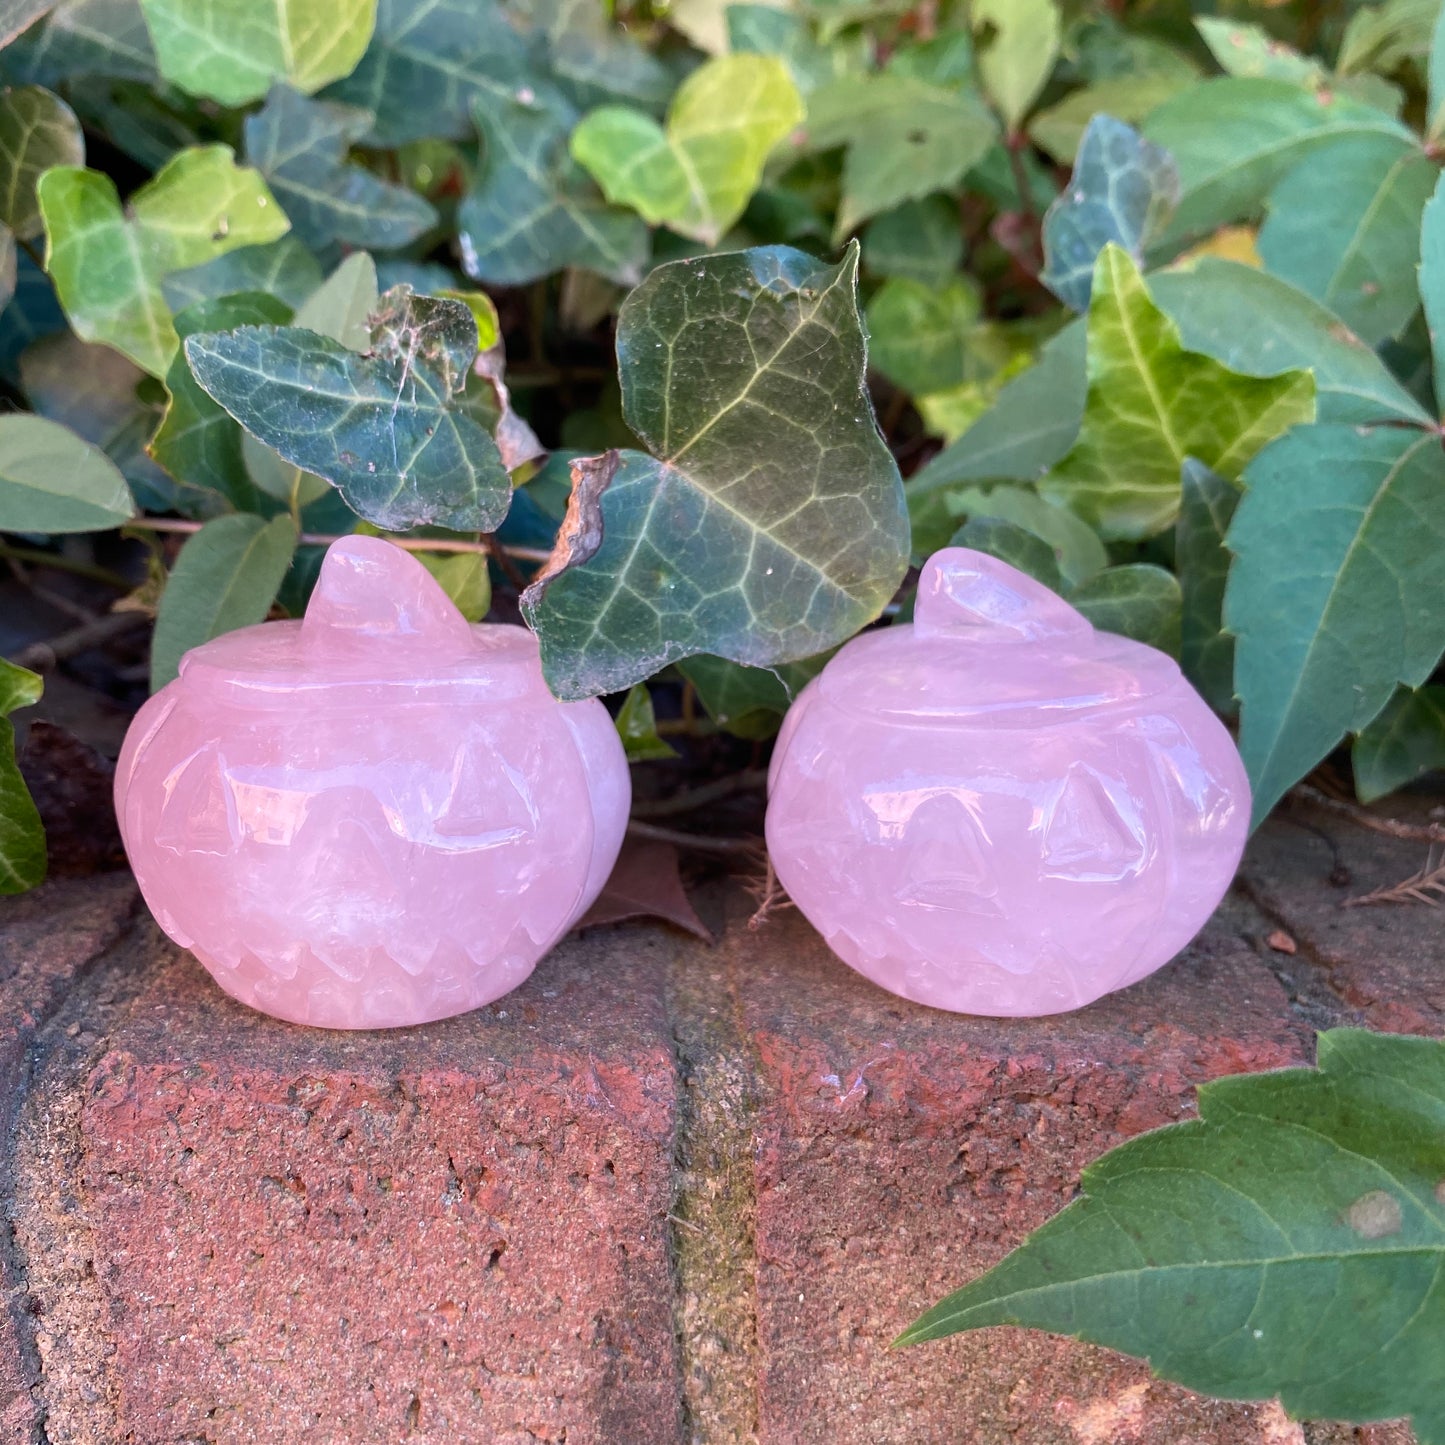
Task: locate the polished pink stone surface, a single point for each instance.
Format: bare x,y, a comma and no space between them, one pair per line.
376,816
999,810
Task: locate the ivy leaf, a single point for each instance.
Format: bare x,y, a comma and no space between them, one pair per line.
226,576
22,836
1078,553
1123,191
1344,226
1136,600
1059,130
1018,42
107,264
637,727
284,269
532,210
37,130
428,61
301,147
771,524
920,240
905,138
1332,605
1012,544
1233,138
51,481
384,427
1404,742
593,59
1206,651
83,38
766,30
698,173
1151,404
1289,1241
233,51
749,702
921,335
198,440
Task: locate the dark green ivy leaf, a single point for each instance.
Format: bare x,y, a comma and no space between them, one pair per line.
83,38
385,427
37,130
1406,740
771,523
749,702
1201,560
1012,544
1136,600
919,241
1290,1241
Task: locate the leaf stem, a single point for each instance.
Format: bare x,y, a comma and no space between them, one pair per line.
36,558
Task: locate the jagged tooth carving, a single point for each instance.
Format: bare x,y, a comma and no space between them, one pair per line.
199,814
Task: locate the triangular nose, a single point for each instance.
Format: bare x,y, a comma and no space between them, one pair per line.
370,589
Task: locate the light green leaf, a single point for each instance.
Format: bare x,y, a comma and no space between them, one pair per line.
107,264
919,337
637,727
748,702
919,240
1151,403
301,147
1136,600
51,481
1017,43
22,836
1403,743
1382,37
1012,544
198,441
1249,50
1290,1241
284,269
1233,138
532,210
37,130
233,51
1435,104
1206,651
1344,226
1334,595
385,427
1432,284
771,524
1060,129
1123,190
463,576
83,38
225,577
341,306
698,173
904,138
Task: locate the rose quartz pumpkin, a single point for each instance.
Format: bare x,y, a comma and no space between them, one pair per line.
376,816
999,810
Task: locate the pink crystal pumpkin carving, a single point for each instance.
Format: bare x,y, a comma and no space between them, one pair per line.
999,810
376,816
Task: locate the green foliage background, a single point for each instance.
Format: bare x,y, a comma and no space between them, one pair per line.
1147,292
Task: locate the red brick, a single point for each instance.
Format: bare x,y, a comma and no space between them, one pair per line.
1385,962
902,1151
450,1234
46,939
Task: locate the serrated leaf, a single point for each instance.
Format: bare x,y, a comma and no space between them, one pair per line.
696,174
284,269
1249,50
1206,651
225,577
771,524
904,137
1012,544
427,62
1332,605
1403,743
532,209
301,147
1432,284
1151,403
1017,43
107,264
1123,190
919,240
83,38
1136,600
748,702
920,337
384,427
1290,1241
637,727
1344,226
233,51
37,130
198,441
1233,138
22,836
51,481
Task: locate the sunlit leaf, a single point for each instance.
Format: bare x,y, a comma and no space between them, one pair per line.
1018,42
637,727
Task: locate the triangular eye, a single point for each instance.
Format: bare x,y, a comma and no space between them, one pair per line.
948,861
1093,832
489,805
199,813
